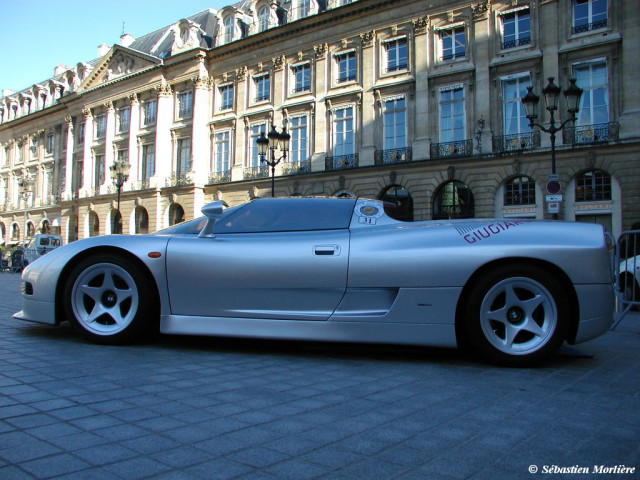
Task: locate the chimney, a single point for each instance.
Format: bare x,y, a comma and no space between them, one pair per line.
60,69
126,39
103,48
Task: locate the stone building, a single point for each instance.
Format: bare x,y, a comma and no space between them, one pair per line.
417,103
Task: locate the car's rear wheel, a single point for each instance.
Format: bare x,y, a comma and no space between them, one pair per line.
516,315
108,301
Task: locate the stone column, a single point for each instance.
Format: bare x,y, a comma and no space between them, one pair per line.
421,139
319,123
134,128
200,132
164,119
482,84
68,165
87,156
366,104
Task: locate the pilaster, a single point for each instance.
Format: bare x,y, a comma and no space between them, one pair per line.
164,119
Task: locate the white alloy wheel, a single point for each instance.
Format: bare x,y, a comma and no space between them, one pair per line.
104,299
518,316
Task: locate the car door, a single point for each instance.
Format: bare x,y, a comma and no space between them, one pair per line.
239,273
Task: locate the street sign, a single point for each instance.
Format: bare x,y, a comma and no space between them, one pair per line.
553,177
553,207
553,187
553,198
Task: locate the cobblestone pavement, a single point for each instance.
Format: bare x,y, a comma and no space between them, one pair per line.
193,408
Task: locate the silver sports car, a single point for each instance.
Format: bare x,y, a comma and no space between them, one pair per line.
335,270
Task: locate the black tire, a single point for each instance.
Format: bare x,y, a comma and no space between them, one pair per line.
109,301
516,315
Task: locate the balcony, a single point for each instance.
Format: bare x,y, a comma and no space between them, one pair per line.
589,134
587,27
296,168
516,143
519,42
460,148
340,162
252,173
220,177
393,155
177,180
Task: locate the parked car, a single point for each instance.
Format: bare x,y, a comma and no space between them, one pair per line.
335,270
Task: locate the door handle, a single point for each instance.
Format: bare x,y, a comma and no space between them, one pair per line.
326,250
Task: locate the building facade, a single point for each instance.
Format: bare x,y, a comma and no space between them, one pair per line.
416,104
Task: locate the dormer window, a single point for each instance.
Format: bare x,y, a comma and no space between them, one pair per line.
263,18
228,29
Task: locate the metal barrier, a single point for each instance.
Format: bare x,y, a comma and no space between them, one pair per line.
13,260
626,271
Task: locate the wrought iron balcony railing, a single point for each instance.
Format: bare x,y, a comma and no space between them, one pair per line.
461,148
586,134
251,173
296,168
339,162
519,42
177,180
393,155
516,142
587,27
220,177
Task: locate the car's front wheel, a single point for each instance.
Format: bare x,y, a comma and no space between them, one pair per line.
108,301
516,315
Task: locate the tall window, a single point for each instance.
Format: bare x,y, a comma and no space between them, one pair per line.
222,149
343,132
81,133
263,18
520,191
298,145
101,125
228,29
226,96
396,53
452,115
124,116
183,157
148,162
256,129
593,185
149,112
346,63
395,123
302,78
453,200
185,104
453,43
589,15
594,103
51,143
99,172
142,220
262,87
516,28
514,88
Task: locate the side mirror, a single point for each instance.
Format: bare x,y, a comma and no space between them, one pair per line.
213,211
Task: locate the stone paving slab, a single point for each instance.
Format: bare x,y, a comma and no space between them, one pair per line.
210,408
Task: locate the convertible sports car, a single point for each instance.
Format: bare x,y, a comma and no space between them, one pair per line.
335,270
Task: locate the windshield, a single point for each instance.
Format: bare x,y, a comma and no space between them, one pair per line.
193,227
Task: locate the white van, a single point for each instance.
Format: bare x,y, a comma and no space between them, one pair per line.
41,244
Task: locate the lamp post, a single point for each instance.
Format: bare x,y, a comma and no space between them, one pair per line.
276,140
551,95
25,188
119,174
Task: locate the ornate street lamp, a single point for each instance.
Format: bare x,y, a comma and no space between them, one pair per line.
119,174
551,95
276,140
25,188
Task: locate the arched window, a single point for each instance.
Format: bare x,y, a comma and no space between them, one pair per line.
520,191
3,233
94,224
453,200
593,185
46,227
142,220
176,214
263,18
15,232
228,29
398,203
30,229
